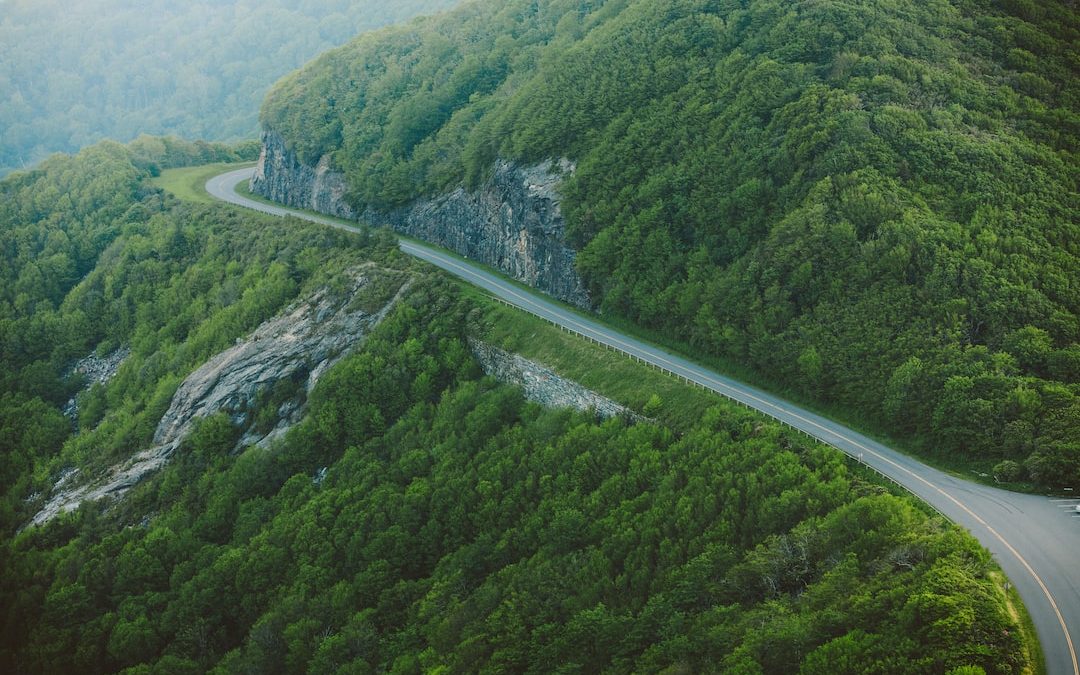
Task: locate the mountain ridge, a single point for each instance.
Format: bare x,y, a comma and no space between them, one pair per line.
872,203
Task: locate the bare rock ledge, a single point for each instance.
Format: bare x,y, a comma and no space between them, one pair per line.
513,221
302,342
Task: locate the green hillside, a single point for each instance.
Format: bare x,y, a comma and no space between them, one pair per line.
872,204
74,73
421,517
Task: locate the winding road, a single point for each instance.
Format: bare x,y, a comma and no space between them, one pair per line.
1036,540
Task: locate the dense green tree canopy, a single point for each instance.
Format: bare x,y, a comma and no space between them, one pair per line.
73,73
94,258
421,517
872,203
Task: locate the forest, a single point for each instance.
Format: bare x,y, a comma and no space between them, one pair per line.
870,204
74,73
96,258
422,517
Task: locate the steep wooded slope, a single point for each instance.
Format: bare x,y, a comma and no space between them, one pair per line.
872,203
95,258
420,515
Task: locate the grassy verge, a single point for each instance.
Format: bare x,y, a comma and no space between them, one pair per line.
1019,613
633,384
604,371
189,182
968,469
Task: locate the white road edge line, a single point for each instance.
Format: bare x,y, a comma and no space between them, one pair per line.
657,357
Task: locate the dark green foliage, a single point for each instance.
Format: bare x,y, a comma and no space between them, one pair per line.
420,515
30,430
93,259
871,203
470,530
72,74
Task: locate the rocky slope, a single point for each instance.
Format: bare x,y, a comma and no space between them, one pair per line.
96,370
299,345
282,177
512,222
542,384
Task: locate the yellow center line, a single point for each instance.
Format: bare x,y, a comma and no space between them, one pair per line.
716,386
614,341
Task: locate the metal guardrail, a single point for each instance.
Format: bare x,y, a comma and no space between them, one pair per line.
633,357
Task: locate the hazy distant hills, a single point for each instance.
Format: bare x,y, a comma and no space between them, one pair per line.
872,203
72,73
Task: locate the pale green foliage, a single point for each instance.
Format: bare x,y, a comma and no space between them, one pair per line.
73,73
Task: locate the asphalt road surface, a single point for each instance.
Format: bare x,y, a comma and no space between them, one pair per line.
1036,540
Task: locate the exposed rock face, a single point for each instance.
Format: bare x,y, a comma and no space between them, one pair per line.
282,177
298,345
542,385
97,371
512,222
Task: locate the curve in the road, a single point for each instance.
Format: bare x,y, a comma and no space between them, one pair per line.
1036,545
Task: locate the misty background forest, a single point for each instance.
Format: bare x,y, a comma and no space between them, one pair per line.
74,73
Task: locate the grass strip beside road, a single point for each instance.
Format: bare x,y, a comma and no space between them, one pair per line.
1015,606
975,470
189,182
597,368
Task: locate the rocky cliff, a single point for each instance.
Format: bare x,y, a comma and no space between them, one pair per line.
283,178
543,385
298,346
512,222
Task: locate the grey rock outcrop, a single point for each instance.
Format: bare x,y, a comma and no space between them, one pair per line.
97,370
282,177
512,222
542,385
298,345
